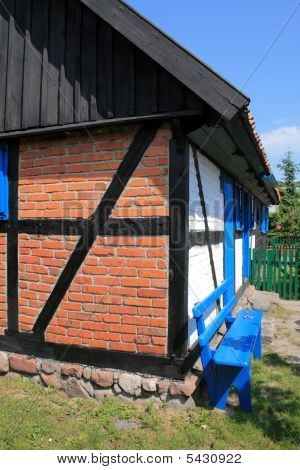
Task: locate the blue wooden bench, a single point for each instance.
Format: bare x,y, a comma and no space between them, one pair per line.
229,366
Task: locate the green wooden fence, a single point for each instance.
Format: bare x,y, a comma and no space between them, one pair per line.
277,270
284,242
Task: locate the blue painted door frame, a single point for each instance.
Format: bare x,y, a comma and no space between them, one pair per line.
229,241
246,236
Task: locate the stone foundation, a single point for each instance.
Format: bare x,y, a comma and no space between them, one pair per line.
246,300
81,381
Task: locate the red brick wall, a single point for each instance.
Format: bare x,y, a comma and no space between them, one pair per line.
3,322
119,298
67,177
41,260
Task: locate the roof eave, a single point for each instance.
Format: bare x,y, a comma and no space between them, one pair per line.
266,176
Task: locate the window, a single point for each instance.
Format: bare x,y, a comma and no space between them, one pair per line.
239,208
264,225
3,182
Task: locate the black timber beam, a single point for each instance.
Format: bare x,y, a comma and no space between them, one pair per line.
200,238
158,117
127,167
3,226
178,243
12,238
29,344
152,226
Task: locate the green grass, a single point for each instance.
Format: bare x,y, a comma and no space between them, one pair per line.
32,417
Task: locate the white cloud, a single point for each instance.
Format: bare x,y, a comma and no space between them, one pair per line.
279,141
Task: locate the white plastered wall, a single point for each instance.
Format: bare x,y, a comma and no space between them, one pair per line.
200,272
238,263
214,200
239,260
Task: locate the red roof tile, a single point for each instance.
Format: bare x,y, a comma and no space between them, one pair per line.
259,145
258,141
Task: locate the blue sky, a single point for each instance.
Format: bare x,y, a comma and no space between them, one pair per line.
232,36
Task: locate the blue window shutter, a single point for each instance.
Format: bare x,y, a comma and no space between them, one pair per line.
262,222
239,208
264,226
267,220
4,183
253,213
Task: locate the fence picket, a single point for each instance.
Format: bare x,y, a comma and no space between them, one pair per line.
291,269
264,269
274,287
284,242
284,274
277,270
269,268
258,269
297,274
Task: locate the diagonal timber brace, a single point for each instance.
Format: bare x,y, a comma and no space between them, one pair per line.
140,143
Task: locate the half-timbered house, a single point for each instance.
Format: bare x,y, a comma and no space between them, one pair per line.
133,183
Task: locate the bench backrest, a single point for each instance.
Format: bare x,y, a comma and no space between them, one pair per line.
206,332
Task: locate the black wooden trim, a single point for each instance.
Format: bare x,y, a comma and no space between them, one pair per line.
128,165
3,226
190,360
178,246
32,345
12,238
152,226
52,226
99,123
261,241
238,235
200,238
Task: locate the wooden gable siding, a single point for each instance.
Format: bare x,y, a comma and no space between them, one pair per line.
61,64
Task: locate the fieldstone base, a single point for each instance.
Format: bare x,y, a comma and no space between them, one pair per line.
260,300
79,381
246,301
257,300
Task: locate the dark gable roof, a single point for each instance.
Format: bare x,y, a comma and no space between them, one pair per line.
188,69
74,68
73,63
77,62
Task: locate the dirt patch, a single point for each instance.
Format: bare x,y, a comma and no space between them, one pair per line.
286,338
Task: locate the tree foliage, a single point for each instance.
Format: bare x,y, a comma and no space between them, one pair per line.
287,216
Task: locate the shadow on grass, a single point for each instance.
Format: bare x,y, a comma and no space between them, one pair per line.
276,403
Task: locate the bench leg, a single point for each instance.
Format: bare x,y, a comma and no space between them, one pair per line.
228,377
257,351
243,385
225,379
